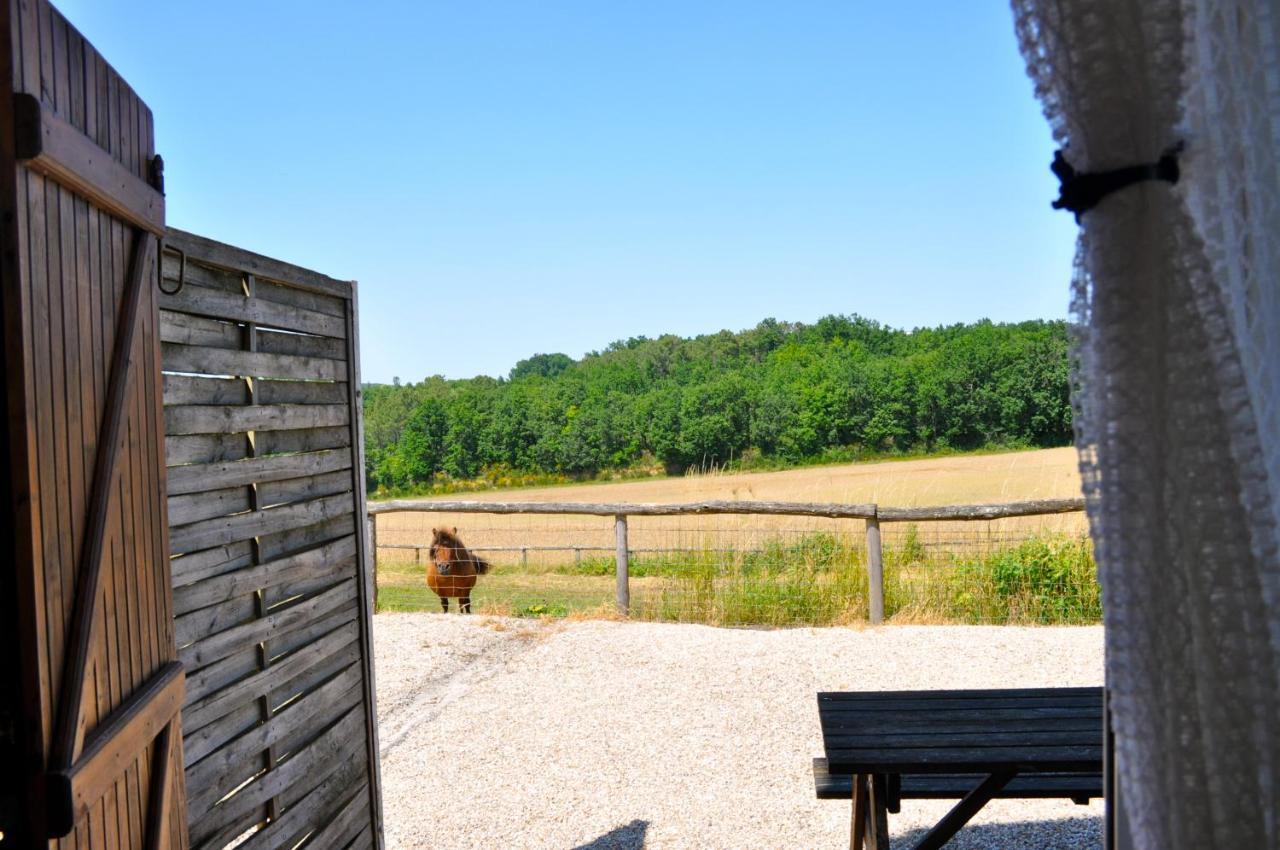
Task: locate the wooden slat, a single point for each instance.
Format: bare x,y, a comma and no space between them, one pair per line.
217,646
201,477
199,359
86,605
952,786
238,308
209,562
193,389
302,392
315,761
194,330
224,419
237,259
305,345
304,440
193,507
50,145
214,776
322,560
115,745
307,487
338,646
223,530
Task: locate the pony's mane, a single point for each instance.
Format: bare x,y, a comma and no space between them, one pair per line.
448,538
445,537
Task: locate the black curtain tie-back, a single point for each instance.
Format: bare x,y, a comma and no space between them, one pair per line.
1081,192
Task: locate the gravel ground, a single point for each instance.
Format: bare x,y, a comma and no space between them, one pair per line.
501,733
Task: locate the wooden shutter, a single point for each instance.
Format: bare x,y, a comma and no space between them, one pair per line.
82,217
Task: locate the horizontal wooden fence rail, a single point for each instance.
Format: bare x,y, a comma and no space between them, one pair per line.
873,515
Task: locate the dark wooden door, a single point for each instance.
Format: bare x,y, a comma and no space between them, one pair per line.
82,212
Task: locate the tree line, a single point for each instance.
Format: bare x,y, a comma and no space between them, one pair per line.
780,393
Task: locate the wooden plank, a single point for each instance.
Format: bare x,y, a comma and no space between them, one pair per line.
302,392
304,440
366,580
815,509
305,537
952,786
318,759
225,419
213,620
193,330
929,724
237,259
332,573
70,730
197,274
315,807
352,816
198,566
49,145
238,308
946,740
965,760
834,511
283,571
193,507
322,657
223,530
198,359
201,477
982,512
213,647
215,775
114,746
898,705
301,489
193,389
305,345
1091,692
163,781
205,448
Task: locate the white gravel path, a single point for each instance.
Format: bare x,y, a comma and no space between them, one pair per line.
501,733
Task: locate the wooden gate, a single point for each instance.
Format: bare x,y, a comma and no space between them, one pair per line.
271,592
80,217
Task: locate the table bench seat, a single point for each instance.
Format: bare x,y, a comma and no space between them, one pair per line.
881,747
1079,788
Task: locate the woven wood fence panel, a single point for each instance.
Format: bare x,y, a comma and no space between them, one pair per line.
271,591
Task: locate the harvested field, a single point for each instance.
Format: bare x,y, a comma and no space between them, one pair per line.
1012,476
590,734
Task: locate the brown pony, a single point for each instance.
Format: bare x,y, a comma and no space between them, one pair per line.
453,569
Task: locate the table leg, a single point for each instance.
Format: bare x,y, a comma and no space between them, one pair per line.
859,825
878,814
964,810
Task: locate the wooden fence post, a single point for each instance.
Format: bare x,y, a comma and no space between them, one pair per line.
373,555
875,573
624,582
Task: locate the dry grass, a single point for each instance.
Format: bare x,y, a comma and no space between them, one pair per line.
1047,473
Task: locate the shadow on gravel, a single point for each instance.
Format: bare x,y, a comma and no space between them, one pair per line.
629,837
1064,834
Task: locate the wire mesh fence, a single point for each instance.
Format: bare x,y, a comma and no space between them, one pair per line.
743,570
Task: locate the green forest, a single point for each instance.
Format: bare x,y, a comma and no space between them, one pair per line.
779,394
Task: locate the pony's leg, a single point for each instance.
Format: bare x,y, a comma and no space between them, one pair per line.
465,604
444,603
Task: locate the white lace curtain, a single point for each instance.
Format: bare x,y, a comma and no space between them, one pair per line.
1177,394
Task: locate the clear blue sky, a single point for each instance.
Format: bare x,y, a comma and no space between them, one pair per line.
505,178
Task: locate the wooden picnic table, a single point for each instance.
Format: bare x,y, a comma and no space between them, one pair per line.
884,746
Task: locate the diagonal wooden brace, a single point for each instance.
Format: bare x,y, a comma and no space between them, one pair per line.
961,813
